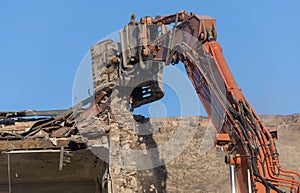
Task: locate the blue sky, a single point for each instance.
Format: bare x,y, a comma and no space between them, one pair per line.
43,42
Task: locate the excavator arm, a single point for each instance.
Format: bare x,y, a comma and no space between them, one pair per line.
143,49
191,40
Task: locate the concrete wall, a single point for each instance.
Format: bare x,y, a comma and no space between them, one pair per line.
39,173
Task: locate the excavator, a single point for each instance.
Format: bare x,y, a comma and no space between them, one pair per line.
133,66
149,44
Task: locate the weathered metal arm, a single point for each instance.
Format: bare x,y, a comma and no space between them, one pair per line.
250,145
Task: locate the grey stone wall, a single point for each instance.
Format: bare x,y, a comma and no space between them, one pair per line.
194,169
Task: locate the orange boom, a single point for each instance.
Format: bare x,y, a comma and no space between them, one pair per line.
251,151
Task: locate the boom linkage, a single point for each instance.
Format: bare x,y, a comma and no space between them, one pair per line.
250,146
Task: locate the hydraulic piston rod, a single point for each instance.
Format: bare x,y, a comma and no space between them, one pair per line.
232,178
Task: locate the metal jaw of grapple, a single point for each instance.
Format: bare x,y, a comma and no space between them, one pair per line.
127,65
